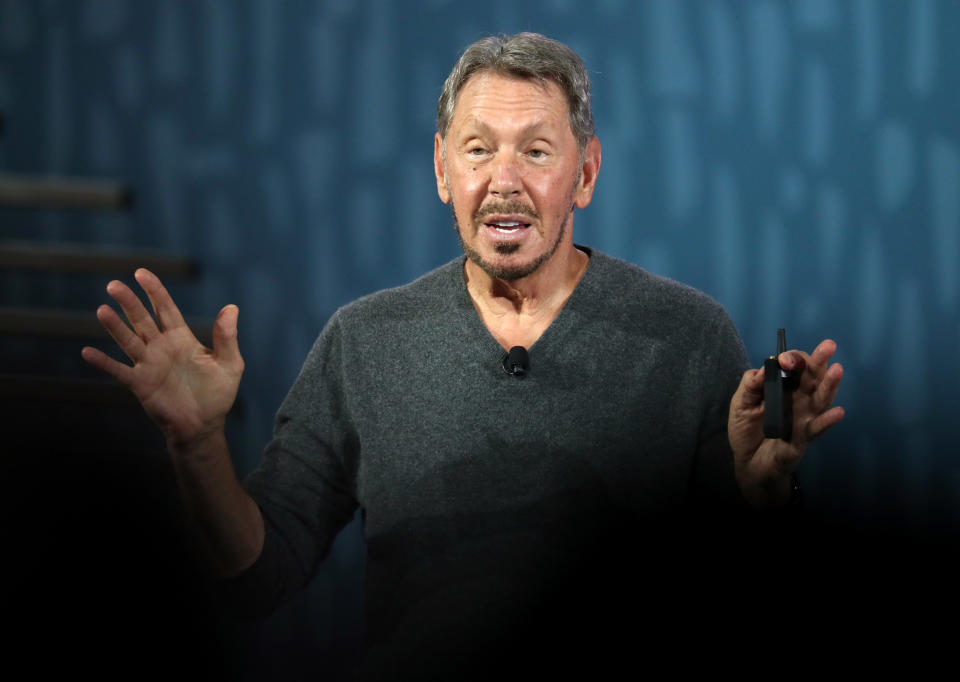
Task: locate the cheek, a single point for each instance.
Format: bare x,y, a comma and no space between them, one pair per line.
462,216
471,182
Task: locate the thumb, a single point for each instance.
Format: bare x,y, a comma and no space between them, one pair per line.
225,344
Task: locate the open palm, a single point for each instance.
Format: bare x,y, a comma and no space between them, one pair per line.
187,388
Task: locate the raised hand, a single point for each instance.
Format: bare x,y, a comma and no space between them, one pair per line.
763,465
187,388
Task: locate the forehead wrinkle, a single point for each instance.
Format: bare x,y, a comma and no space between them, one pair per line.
487,93
482,127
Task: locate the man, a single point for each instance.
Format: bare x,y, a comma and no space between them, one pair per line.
489,496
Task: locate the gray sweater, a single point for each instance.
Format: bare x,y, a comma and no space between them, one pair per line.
485,495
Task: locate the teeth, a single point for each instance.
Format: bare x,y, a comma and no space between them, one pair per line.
506,226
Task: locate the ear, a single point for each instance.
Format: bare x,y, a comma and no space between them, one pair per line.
592,156
439,169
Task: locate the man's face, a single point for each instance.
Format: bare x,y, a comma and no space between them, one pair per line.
512,173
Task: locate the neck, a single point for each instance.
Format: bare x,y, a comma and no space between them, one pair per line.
516,312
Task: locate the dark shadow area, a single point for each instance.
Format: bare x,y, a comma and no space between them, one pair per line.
103,576
102,572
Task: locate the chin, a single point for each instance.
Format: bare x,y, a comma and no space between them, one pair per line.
508,271
504,270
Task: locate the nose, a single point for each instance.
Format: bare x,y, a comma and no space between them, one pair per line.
505,176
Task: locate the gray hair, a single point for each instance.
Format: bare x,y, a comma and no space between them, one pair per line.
528,56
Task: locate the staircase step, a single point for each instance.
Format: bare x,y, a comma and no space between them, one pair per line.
63,192
27,390
71,324
21,389
83,258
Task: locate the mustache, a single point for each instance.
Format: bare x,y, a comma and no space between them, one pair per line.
512,207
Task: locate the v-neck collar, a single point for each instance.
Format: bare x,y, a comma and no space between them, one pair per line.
555,330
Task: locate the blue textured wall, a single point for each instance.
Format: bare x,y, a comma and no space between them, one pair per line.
799,161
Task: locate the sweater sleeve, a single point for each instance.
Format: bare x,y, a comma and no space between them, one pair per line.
304,484
724,359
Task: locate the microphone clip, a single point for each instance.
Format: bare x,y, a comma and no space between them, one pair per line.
517,362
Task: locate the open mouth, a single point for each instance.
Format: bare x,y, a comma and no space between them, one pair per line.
507,226
507,222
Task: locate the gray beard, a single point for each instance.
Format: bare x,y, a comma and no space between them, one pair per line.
508,274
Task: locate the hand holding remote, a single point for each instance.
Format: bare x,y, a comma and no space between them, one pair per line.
775,413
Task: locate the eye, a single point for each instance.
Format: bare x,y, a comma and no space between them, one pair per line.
537,154
476,151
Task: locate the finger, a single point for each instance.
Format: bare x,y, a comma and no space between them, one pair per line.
167,311
809,368
793,361
820,358
816,362
818,426
129,343
225,343
808,375
750,392
141,320
97,358
827,390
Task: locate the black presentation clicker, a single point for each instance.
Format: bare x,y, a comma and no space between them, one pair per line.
778,388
